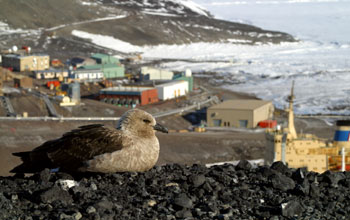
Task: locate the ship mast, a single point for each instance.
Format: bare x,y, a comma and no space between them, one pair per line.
291,128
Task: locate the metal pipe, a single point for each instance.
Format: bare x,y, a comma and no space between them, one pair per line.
343,159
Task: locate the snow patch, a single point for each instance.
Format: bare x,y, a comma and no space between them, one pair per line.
107,41
192,6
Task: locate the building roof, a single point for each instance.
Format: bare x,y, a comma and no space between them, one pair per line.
80,71
51,70
172,83
99,55
19,56
240,104
126,88
100,66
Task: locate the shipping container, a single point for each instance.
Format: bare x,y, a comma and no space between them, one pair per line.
267,124
23,82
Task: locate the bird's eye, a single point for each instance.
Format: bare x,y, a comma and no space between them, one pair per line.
146,121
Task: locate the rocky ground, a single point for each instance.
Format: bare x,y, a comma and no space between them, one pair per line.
180,192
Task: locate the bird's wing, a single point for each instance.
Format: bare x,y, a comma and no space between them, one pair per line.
82,144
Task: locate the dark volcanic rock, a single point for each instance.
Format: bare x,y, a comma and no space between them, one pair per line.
180,192
243,165
282,182
55,194
183,201
291,208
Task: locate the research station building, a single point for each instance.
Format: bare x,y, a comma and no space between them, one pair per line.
239,113
128,96
26,62
172,89
151,73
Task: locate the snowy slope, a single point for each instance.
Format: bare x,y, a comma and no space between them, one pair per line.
320,63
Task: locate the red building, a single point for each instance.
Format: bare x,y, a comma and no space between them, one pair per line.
129,95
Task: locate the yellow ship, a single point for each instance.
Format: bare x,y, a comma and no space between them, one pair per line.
308,150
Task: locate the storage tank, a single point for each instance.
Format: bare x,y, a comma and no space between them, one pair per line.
342,135
74,92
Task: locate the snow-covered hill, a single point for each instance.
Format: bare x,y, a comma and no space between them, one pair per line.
48,25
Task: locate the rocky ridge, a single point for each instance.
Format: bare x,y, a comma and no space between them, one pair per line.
180,192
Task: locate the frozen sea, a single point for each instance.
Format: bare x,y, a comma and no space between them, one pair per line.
319,64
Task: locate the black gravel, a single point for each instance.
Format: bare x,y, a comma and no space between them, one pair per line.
180,192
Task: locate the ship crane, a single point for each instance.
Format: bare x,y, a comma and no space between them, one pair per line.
291,129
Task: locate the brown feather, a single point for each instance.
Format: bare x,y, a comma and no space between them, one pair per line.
74,148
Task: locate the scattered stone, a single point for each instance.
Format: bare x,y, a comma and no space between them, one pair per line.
282,182
93,186
291,208
180,192
77,215
151,203
90,209
55,194
243,165
66,184
183,201
104,205
45,175
332,177
198,180
183,214
280,167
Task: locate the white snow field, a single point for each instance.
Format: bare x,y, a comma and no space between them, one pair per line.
319,63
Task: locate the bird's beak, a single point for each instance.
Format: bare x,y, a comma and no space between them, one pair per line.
161,128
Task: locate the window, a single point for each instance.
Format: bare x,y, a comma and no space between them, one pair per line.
225,123
243,123
228,124
217,122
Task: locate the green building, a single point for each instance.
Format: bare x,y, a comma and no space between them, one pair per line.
109,70
189,79
105,59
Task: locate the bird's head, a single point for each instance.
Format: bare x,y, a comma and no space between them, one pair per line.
139,122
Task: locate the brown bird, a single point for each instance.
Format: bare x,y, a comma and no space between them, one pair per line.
131,146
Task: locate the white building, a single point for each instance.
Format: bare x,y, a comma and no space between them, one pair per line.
86,74
50,74
150,73
172,89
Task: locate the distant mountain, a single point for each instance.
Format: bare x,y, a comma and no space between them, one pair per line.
46,25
